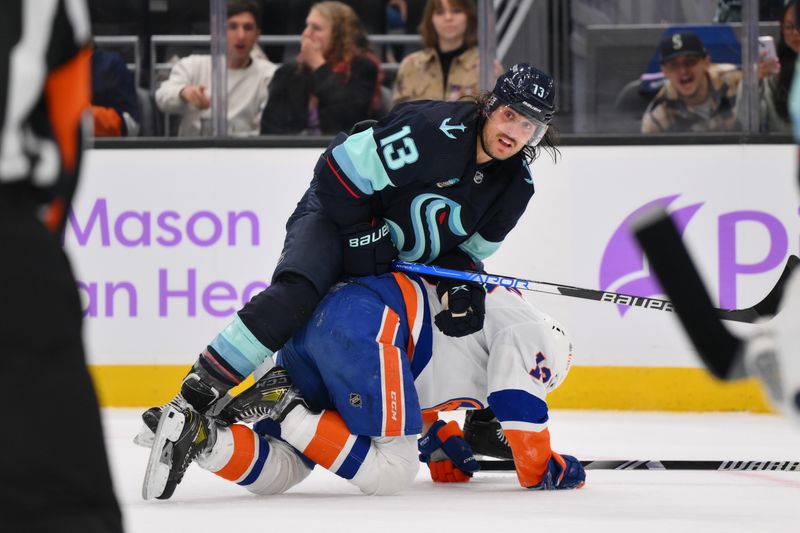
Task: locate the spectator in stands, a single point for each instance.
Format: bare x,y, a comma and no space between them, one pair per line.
396,19
775,87
333,83
114,104
187,91
699,96
448,67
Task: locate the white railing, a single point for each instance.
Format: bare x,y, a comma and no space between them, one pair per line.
159,41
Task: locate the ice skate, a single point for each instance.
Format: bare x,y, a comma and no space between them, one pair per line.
484,435
150,419
181,435
272,396
203,397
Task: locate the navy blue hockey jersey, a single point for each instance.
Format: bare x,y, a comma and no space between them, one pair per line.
416,170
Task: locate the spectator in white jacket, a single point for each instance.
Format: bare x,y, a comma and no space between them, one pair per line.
187,92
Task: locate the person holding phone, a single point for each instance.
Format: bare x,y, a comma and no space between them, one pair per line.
700,95
775,85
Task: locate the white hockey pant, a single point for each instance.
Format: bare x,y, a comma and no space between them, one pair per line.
264,465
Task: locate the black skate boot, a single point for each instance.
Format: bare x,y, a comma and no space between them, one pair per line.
181,435
272,396
150,419
198,390
484,435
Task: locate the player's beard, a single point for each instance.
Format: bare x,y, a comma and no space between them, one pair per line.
487,146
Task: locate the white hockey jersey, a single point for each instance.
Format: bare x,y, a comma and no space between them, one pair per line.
519,356
372,353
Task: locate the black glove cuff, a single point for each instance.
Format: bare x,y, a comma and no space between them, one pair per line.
367,250
444,285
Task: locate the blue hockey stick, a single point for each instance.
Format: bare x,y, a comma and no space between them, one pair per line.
765,307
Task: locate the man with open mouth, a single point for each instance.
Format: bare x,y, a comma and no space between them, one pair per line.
699,96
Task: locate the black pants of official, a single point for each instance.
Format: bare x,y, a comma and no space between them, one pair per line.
54,473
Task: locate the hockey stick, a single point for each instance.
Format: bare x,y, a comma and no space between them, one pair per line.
767,306
720,350
507,465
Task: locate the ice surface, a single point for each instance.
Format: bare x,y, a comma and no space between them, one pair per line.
611,501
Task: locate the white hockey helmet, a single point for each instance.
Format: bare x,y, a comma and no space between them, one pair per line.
559,358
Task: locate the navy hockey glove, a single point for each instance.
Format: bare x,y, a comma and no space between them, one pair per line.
563,472
464,307
448,455
368,250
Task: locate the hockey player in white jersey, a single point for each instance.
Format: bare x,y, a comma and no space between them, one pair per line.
352,386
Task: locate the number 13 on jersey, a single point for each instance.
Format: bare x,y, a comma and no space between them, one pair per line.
398,156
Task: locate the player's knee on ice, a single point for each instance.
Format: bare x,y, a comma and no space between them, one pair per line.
390,466
283,469
270,466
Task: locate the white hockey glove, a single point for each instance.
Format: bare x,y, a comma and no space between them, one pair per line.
773,354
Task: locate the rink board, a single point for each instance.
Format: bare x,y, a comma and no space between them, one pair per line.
167,244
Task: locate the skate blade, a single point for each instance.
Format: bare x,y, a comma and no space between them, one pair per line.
145,437
159,462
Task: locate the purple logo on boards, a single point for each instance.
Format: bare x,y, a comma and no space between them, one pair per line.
623,267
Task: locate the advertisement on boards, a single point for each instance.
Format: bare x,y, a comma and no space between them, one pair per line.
168,244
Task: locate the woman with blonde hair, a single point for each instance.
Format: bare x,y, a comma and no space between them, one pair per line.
333,83
449,66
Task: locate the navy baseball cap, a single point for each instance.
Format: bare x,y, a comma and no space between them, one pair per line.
683,43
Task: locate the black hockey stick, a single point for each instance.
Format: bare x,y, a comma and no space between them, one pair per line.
720,350
765,307
507,465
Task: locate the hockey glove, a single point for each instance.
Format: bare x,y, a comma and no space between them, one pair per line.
368,250
563,472
464,307
448,455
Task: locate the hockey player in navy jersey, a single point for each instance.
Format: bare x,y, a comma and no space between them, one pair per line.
351,387
433,182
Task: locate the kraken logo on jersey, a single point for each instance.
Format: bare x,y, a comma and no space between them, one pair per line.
426,229
446,127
